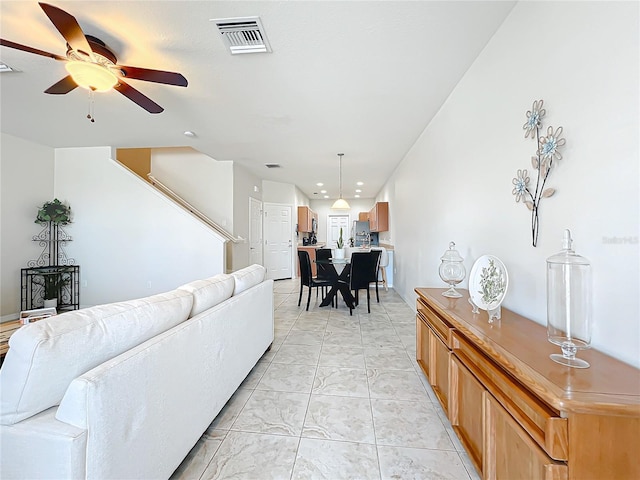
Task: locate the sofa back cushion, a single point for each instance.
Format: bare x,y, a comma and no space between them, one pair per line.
209,292
248,277
44,357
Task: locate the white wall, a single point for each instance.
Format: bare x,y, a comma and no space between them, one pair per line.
245,185
129,240
278,192
204,182
26,182
455,182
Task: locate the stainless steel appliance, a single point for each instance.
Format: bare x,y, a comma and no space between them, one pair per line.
361,234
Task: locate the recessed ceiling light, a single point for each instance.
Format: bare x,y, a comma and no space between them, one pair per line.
320,184
323,191
189,133
357,196
326,196
358,190
359,184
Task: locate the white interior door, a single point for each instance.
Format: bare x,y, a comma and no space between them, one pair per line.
278,234
255,231
335,223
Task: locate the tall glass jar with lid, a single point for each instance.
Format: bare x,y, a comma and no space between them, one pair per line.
569,317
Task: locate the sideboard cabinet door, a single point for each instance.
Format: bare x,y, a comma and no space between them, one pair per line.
422,344
466,409
439,379
510,453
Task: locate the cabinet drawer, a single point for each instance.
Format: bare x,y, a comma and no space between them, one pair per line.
443,329
543,424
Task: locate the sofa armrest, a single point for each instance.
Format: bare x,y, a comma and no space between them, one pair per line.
42,447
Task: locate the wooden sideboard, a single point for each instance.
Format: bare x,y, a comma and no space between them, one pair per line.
518,414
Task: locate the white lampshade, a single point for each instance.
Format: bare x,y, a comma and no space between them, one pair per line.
340,204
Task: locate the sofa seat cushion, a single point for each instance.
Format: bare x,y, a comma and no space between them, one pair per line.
248,277
44,357
209,292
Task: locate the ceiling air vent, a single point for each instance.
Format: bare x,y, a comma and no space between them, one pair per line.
243,35
272,165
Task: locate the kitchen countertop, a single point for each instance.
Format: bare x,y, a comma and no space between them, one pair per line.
324,245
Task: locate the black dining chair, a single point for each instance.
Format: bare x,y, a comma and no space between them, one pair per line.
306,278
323,269
364,270
383,262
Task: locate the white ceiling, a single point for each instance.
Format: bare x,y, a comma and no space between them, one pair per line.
360,77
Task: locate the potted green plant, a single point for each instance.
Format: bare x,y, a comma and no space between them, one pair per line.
339,253
55,212
52,286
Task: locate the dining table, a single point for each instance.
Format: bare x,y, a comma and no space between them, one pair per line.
337,271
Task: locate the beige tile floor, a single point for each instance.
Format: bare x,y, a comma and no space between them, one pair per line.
336,397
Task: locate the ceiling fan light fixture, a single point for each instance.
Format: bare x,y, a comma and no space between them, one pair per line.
341,203
91,76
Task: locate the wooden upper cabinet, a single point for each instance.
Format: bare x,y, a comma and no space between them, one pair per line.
306,219
379,217
363,217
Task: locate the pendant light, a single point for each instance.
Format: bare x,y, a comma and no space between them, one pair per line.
341,203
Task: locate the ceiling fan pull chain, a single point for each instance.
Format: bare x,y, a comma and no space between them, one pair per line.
91,107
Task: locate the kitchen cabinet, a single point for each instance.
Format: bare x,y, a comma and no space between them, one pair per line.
363,216
518,414
307,220
379,217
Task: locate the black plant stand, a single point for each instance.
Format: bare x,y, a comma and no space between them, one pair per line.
32,287
53,260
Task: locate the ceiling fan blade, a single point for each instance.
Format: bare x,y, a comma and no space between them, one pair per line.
69,28
63,86
138,97
24,48
158,76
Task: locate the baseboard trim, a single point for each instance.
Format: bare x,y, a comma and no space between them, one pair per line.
9,317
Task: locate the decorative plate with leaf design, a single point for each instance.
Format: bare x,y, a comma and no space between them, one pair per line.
488,282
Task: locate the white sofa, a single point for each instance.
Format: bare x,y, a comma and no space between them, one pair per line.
125,390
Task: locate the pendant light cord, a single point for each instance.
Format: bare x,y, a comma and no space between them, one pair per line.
340,182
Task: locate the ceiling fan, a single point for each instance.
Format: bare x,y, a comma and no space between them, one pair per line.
93,66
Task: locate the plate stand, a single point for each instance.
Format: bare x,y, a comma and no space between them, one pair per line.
474,307
494,313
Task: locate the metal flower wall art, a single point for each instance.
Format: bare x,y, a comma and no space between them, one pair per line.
547,154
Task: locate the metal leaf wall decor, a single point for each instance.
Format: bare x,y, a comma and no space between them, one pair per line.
547,154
